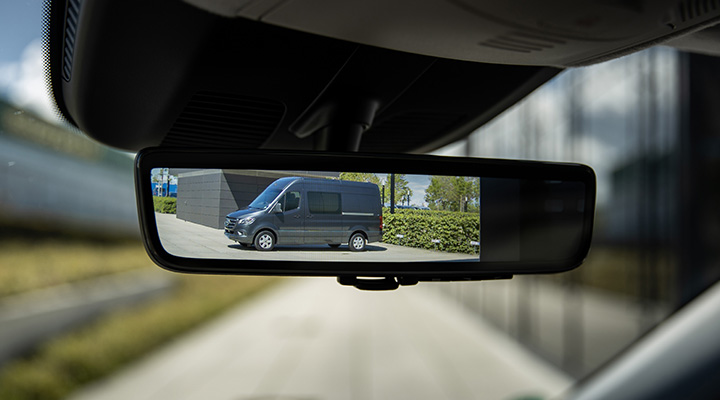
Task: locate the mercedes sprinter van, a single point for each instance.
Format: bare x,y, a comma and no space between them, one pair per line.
294,210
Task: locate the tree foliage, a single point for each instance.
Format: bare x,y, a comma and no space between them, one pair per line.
453,193
165,205
403,193
360,177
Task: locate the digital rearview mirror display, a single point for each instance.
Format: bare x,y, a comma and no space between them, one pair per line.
317,216
417,217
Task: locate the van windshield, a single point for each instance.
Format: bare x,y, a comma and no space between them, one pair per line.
266,197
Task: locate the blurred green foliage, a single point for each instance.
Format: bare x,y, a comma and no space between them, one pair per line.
65,364
29,263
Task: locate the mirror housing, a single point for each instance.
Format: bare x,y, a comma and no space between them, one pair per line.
531,217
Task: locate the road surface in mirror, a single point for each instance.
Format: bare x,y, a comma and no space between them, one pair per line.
188,239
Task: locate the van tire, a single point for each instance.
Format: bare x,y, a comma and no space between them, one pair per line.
357,242
264,241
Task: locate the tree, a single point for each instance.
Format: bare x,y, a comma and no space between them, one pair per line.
403,193
360,177
453,193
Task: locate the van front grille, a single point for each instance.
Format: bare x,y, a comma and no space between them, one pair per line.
230,224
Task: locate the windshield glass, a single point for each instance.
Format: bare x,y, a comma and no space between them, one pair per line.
68,217
265,198
269,194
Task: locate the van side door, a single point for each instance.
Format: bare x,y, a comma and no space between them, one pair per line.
290,220
323,219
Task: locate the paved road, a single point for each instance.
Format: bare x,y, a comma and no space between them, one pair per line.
187,239
313,339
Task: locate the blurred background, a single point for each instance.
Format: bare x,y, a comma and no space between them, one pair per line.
73,271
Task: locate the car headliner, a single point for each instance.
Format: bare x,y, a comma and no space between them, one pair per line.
407,76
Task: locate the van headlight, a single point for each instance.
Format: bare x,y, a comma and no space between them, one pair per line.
246,221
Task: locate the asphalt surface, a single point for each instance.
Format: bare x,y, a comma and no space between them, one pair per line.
187,239
312,339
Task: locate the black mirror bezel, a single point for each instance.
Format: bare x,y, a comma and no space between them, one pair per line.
150,158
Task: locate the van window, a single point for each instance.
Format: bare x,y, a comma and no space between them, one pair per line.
324,203
290,201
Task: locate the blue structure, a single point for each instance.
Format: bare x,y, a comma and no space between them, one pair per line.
160,189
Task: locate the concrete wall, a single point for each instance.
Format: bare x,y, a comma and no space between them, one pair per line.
205,197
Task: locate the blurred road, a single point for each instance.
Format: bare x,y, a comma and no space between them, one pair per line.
310,338
187,239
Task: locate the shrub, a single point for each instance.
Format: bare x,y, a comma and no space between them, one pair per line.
453,230
165,205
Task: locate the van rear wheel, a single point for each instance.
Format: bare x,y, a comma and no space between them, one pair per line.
357,242
264,241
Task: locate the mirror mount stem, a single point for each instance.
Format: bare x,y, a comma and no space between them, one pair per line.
338,124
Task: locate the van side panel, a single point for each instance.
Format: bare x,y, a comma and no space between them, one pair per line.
361,211
323,217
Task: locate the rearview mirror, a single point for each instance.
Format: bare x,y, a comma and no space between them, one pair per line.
402,218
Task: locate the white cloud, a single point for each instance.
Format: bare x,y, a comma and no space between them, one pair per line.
8,73
418,184
24,82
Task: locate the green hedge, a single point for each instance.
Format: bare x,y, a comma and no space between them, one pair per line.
454,230
165,205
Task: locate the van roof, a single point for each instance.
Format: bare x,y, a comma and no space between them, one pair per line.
322,181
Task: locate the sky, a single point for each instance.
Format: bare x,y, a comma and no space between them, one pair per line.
418,184
21,63
20,24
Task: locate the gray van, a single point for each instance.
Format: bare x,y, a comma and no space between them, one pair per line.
297,210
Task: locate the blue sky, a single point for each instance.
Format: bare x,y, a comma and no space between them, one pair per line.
22,80
20,24
418,184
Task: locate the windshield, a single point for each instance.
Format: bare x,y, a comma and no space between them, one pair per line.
68,230
269,195
265,198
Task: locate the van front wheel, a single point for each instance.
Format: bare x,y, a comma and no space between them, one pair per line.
357,242
264,241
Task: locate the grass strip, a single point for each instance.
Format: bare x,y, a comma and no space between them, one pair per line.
28,264
66,363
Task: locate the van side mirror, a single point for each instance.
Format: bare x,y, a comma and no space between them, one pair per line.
277,209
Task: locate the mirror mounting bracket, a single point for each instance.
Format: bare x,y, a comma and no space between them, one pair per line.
392,283
374,284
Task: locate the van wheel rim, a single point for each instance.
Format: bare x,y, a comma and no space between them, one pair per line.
358,242
265,241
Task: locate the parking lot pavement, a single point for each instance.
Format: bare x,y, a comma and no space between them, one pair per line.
187,239
311,338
